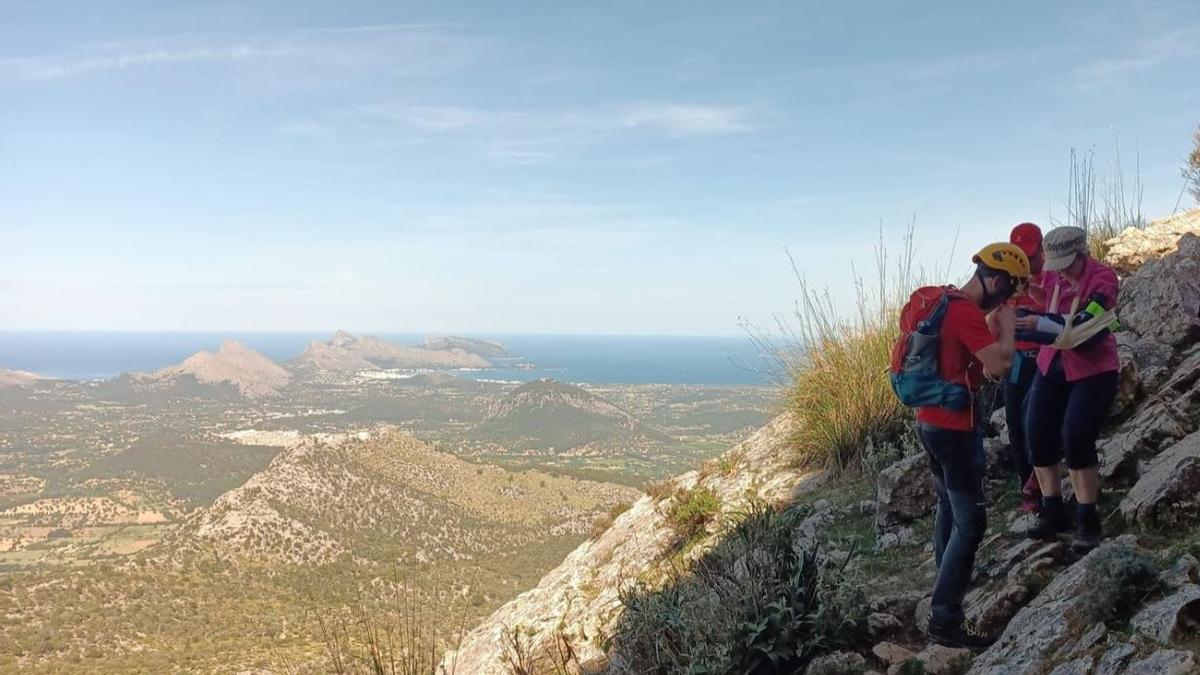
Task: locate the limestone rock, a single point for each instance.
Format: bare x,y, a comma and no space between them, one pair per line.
1133,247
1184,571
1062,610
1114,658
903,536
1080,666
901,604
1022,523
921,613
904,492
889,653
1000,424
1169,493
1164,662
1129,386
940,660
1011,581
1162,300
805,534
1084,644
1153,358
1162,620
1170,414
882,624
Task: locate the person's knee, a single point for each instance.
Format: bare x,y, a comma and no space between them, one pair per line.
977,527
973,525
1043,450
1081,452
1079,445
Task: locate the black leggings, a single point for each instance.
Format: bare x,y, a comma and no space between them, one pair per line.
1065,417
1016,396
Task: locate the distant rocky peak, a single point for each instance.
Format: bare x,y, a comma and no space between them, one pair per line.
342,339
233,348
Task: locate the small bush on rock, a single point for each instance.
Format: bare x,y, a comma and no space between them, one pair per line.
1124,578
691,510
659,489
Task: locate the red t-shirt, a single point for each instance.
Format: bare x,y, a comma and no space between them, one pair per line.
964,332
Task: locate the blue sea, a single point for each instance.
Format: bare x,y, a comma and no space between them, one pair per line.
594,359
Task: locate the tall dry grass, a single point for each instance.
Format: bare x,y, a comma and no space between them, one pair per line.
834,366
1103,205
399,636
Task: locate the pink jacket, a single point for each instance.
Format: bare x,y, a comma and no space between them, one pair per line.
1099,357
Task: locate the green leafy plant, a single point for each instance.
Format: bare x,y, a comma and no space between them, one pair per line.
752,604
690,511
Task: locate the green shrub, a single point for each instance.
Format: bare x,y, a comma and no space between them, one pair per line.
751,604
1129,576
691,510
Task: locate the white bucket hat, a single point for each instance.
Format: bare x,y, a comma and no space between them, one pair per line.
1062,244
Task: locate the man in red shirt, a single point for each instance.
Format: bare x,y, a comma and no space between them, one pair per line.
1016,386
971,344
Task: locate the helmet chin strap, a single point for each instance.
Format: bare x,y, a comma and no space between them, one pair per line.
990,300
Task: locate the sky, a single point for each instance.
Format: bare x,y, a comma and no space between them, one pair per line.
549,167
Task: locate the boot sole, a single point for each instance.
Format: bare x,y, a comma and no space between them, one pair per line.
955,644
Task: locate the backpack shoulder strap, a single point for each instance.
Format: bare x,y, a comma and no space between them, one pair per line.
954,293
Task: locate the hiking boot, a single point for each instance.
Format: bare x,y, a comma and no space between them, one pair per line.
963,634
1031,496
1088,530
1052,520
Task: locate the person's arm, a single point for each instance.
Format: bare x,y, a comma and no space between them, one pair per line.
997,356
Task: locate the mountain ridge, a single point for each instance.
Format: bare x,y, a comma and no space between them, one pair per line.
18,379
345,352
548,414
234,369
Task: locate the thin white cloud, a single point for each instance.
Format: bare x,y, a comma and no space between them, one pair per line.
66,66
1150,53
419,48
686,120
438,118
536,136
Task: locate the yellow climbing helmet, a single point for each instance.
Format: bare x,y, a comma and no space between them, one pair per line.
1007,258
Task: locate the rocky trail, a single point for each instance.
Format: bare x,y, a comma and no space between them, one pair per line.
1131,606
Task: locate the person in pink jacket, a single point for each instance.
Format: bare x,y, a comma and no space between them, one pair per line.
1074,386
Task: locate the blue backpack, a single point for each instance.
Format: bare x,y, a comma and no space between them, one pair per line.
914,371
